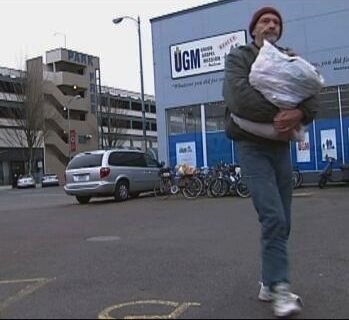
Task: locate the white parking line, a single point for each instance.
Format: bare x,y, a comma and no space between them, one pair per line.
179,309
34,284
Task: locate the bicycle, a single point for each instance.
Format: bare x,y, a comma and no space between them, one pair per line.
297,178
326,174
165,183
228,180
170,183
205,175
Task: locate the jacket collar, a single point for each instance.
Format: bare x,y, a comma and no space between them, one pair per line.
254,48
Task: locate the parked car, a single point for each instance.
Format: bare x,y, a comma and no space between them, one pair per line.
49,180
120,173
26,181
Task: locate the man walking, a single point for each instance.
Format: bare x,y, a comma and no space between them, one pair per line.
265,163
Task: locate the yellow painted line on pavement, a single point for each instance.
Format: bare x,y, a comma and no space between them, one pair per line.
22,281
303,194
34,285
179,309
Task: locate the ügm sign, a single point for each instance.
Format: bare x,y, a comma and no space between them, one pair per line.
204,55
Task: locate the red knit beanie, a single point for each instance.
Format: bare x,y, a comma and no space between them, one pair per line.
259,13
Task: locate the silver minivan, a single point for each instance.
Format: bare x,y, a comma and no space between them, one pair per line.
120,173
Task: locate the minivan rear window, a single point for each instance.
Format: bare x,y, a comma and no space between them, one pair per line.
86,161
127,159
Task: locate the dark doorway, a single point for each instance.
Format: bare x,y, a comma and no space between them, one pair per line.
17,168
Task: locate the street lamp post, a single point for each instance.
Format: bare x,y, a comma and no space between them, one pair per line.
67,107
138,21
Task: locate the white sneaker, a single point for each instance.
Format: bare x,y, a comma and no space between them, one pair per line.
284,305
266,295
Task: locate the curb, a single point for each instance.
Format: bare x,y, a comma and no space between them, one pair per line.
4,188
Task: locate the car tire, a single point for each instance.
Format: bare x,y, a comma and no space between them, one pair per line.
121,191
83,199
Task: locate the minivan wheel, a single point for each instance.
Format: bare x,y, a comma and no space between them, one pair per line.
83,200
121,191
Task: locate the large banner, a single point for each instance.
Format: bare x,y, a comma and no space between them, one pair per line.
204,55
73,140
303,149
328,144
186,153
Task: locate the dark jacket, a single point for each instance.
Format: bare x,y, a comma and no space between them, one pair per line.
246,102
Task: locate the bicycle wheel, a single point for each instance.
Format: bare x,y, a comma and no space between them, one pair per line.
218,187
300,179
192,188
322,182
204,187
242,190
163,189
294,179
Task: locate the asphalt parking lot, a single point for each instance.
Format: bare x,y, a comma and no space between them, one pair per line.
171,258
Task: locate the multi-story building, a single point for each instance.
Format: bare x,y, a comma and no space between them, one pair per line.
80,114
121,119
71,82
13,153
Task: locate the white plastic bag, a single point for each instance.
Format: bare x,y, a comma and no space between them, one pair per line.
283,80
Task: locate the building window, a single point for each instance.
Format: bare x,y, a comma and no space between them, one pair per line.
344,90
104,101
176,121
119,104
184,120
137,125
329,104
136,106
82,139
192,119
214,113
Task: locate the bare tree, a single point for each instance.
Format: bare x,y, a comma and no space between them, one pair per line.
26,120
116,125
116,133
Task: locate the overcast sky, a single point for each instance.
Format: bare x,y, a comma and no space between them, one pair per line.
28,28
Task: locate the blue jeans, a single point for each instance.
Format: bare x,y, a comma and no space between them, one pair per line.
267,170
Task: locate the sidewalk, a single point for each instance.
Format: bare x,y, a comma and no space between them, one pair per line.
5,187
9,187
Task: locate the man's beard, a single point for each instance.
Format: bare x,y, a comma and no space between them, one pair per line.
270,37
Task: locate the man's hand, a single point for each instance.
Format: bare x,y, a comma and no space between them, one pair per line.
287,135
287,120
